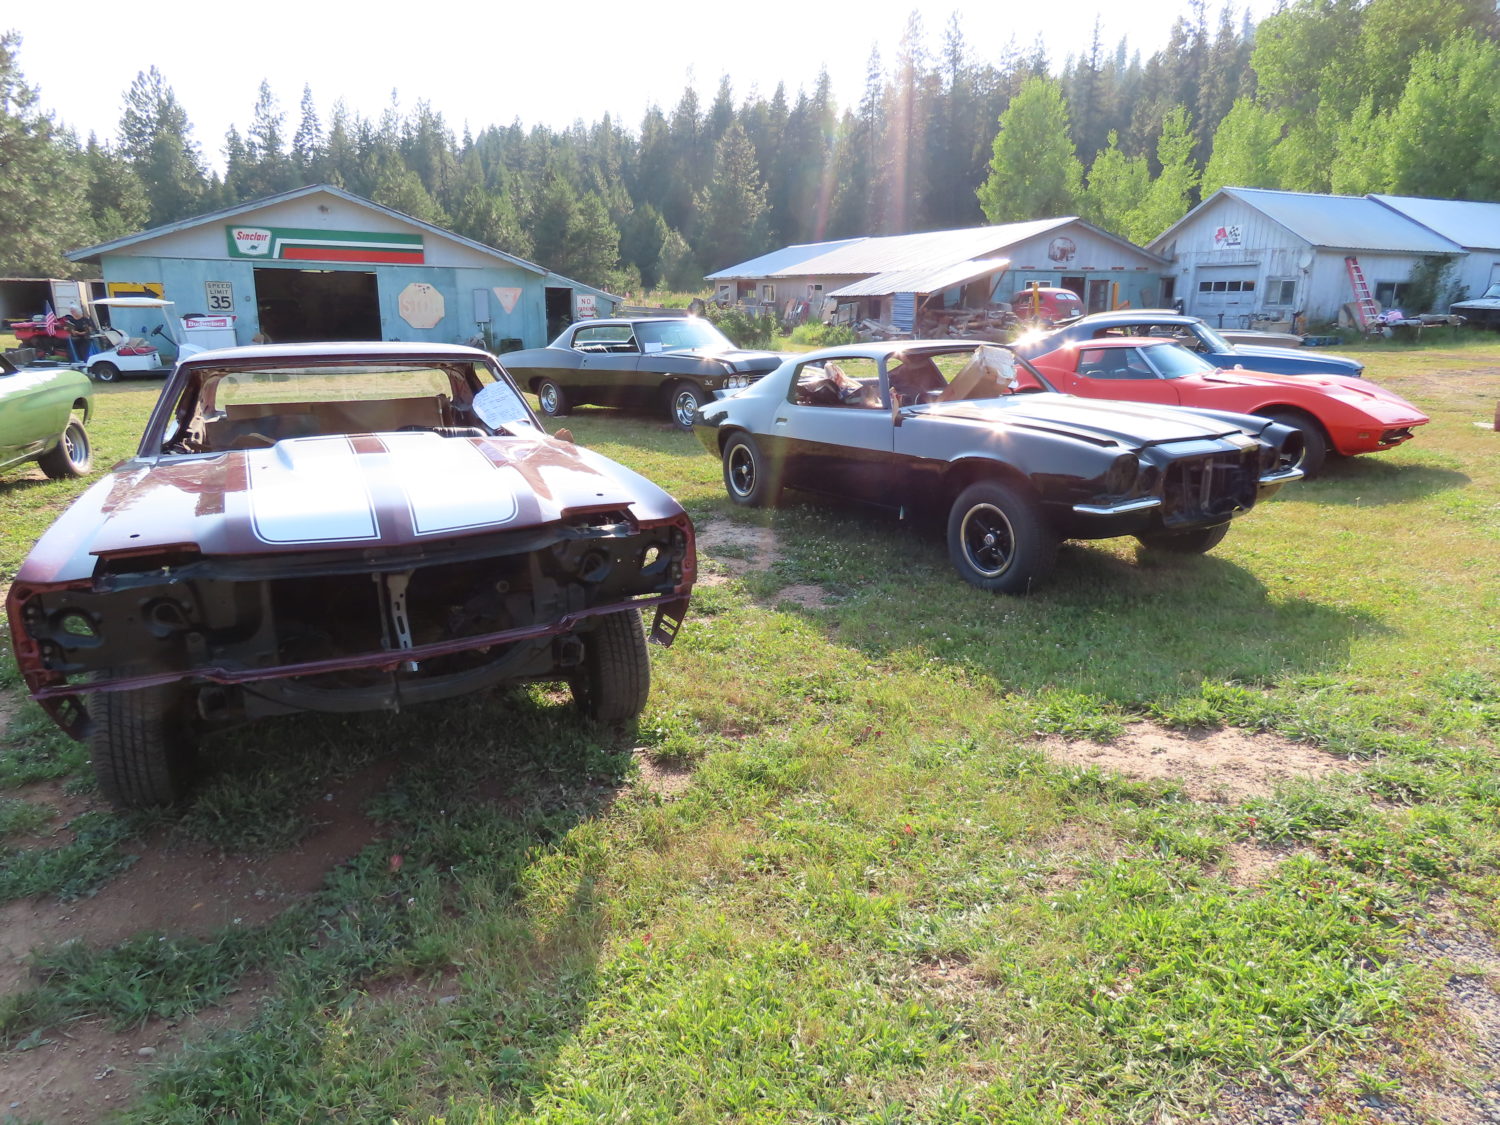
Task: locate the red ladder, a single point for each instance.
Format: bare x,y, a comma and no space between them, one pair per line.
1364,304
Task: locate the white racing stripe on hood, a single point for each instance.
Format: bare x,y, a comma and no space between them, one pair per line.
309,490
449,483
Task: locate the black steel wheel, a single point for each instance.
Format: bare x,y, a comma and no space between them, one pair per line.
71,457
104,372
748,476
997,539
552,399
1199,541
614,679
1314,441
684,403
142,746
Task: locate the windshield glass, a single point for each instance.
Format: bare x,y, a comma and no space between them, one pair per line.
1212,338
664,335
1174,361
1492,292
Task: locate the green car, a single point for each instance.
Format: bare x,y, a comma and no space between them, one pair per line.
42,415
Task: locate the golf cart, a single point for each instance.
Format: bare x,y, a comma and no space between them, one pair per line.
122,355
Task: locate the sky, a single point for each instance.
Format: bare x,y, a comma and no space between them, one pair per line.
540,64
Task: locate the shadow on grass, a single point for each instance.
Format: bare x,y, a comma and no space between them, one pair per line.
1370,482
1109,619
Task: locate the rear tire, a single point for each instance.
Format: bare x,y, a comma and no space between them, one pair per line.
552,399
71,457
1314,443
1199,541
142,746
104,372
997,539
614,679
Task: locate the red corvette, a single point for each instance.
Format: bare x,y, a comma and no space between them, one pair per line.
1334,413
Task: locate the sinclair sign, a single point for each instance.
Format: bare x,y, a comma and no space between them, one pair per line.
290,244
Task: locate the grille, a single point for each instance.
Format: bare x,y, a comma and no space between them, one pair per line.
1210,488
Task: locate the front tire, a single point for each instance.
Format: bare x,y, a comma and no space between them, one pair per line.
612,683
142,746
997,539
1199,541
104,372
552,399
748,476
684,403
71,457
1314,443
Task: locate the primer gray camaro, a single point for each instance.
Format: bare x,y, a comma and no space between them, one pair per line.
339,527
983,437
671,363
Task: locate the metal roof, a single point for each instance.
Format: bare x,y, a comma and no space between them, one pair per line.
779,261
923,281
1471,225
1342,222
931,250
327,189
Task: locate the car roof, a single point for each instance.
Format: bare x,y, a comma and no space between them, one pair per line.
1129,316
883,349
364,349
633,320
1121,342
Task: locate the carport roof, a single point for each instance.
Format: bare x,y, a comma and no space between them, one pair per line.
923,281
780,262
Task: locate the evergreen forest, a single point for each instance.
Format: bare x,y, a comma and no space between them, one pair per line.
1344,96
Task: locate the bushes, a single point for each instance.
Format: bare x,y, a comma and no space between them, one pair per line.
816,335
746,331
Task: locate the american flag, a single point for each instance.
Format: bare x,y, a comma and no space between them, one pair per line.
51,319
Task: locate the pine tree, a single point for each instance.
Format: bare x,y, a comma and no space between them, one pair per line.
732,209
156,137
309,154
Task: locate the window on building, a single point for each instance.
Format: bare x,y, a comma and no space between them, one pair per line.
1281,292
1391,294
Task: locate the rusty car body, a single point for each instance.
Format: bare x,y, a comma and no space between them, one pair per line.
673,363
338,527
942,427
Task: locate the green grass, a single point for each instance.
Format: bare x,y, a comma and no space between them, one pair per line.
875,897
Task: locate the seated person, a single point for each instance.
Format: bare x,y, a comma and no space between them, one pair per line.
914,376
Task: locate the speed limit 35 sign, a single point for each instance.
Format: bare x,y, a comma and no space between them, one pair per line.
220,296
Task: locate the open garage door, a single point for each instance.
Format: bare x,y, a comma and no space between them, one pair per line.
299,305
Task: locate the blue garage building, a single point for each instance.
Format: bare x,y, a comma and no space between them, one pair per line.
320,263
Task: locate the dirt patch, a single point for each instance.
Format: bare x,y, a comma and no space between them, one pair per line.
192,891
1247,865
739,548
950,979
744,548
1220,765
662,778
84,1072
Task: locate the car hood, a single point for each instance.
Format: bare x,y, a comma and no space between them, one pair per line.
1477,303
740,357
1102,422
1248,352
363,492
1358,392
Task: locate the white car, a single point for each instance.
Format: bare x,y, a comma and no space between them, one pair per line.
1481,311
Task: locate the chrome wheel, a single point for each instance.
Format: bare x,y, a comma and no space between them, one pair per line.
988,539
740,471
685,402
551,398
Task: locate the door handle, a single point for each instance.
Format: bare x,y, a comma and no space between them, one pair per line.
781,421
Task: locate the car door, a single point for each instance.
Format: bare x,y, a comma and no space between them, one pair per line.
1117,372
609,360
33,409
834,430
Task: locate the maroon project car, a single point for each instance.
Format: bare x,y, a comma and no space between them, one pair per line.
339,527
